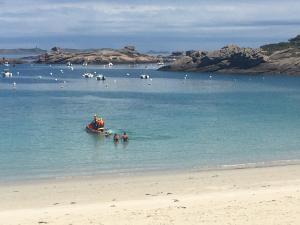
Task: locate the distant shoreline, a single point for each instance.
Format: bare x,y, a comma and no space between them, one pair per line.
279,58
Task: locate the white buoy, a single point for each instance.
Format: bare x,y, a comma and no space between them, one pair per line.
210,76
127,74
14,84
18,73
56,79
61,71
51,73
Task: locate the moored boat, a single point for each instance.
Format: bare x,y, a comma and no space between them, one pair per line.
100,77
144,76
88,75
6,73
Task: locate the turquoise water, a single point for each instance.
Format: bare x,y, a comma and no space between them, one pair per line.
172,123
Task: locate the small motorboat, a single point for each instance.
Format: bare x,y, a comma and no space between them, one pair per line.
102,131
144,76
6,73
88,75
100,77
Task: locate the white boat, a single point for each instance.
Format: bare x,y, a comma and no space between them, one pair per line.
6,64
100,77
144,76
160,63
110,64
6,73
88,75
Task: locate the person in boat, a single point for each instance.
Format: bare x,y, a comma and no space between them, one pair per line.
124,137
97,123
94,123
116,138
100,123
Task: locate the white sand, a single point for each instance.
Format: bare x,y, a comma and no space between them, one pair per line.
261,196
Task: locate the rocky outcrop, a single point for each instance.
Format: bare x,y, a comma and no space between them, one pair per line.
230,56
233,59
291,43
127,55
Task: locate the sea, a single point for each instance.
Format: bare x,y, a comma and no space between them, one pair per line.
175,121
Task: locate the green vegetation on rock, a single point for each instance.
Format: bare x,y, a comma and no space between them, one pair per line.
292,43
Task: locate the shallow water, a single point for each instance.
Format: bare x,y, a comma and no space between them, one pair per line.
172,122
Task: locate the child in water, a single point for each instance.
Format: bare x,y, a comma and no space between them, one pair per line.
125,137
116,138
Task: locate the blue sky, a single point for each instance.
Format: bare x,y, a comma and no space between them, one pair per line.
158,25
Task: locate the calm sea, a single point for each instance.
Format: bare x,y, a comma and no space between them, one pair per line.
173,123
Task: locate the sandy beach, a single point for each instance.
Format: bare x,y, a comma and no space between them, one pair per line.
241,196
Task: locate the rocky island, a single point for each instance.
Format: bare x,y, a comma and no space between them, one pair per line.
280,58
126,55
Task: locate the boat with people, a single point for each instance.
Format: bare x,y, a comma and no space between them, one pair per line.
97,127
105,132
6,73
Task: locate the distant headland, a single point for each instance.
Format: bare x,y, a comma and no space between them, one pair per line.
126,55
279,58
22,51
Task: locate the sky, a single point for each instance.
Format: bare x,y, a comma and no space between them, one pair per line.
149,25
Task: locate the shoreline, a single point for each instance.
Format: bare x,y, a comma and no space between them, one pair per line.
269,195
147,172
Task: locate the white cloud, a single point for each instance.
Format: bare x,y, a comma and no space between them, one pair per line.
41,18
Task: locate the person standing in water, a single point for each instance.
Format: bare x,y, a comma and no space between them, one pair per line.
124,137
116,138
